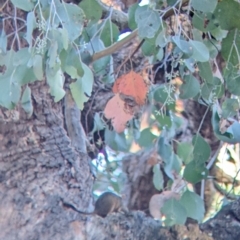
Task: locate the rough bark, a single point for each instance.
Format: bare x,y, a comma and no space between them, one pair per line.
42,165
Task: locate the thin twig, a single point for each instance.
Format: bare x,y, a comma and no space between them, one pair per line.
203,118
118,45
16,27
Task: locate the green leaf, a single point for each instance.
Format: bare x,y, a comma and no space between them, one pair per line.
110,33
148,22
203,21
53,54
10,91
213,47
190,62
230,108
116,141
26,101
59,37
161,95
100,66
201,149
148,48
197,35
72,64
160,54
205,72
185,152
194,205
232,78
26,5
71,18
171,162
231,47
157,177
31,24
20,68
64,37
233,132
55,81
15,74
163,120
162,38
146,138
37,66
218,33
92,10
183,45
3,42
21,57
171,2
200,51
204,5
174,212
99,123
230,20
164,149
82,87
194,172
173,165
206,91
131,16
190,87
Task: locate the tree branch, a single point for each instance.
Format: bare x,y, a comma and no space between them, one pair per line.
115,47
118,45
117,15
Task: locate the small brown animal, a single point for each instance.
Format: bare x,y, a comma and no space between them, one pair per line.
107,203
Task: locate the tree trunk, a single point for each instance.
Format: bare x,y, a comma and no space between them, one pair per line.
44,163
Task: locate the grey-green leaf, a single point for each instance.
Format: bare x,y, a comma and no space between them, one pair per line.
185,152
195,172
205,72
231,47
194,205
200,51
204,5
146,138
162,38
55,80
148,22
71,17
3,42
92,10
174,212
227,13
131,16
31,24
26,101
199,144
26,5
82,87
109,33
183,45
37,66
157,177
189,88
230,108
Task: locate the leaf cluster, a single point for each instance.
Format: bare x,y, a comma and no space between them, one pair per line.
58,38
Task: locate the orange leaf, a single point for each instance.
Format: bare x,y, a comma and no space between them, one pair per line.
115,110
132,84
116,85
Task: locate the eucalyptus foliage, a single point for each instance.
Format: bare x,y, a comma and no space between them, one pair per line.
63,38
